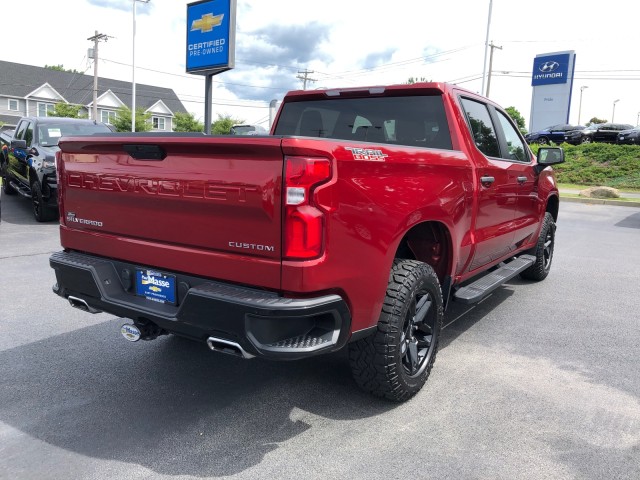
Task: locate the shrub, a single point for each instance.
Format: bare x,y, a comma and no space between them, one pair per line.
603,164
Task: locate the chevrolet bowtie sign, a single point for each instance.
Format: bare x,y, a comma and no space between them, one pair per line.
211,36
206,23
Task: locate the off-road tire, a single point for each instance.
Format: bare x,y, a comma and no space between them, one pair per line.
41,212
6,188
381,363
543,251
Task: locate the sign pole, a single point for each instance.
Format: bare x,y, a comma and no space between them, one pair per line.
208,102
211,44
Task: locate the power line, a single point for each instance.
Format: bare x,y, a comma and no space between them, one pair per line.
305,77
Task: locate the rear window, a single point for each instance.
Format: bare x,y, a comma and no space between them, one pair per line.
417,121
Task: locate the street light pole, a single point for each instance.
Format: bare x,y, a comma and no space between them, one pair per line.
638,119
133,72
613,114
580,106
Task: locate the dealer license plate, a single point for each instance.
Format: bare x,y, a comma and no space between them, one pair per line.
156,286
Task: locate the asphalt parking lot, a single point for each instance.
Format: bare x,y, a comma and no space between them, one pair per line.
540,380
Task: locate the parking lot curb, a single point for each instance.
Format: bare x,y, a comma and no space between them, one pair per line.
600,201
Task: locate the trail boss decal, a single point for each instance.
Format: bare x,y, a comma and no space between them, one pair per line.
367,154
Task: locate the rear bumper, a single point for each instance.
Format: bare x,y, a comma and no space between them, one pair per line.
263,323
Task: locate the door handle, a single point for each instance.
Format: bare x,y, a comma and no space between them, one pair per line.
486,181
522,179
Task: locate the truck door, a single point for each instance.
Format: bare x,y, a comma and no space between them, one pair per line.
497,188
521,172
18,156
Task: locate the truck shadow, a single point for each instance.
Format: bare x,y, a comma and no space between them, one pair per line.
170,405
173,406
460,317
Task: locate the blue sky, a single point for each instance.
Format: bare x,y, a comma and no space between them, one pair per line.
349,44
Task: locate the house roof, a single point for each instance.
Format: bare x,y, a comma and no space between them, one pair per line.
19,80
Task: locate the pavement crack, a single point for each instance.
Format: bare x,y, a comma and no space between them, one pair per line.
28,255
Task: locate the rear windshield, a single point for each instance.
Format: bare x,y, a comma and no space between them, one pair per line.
50,133
417,121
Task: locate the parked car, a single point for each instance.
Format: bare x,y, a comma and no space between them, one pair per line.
30,169
5,144
555,133
248,130
631,136
598,132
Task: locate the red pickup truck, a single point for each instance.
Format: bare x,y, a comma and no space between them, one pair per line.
353,224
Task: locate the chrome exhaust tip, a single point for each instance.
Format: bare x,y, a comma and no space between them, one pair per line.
226,346
81,304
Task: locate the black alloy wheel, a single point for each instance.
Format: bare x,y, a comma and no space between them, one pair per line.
416,343
41,212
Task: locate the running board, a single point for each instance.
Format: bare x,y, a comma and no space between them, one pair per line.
20,189
476,291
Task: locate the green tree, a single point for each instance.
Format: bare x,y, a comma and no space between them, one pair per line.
122,123
596,120
412,80
60,68
517,117
66,110
186,122
223,125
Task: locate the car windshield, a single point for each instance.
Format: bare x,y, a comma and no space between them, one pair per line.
50,133
242,129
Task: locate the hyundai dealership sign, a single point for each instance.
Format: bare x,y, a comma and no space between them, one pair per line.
552,81
550,69
211,33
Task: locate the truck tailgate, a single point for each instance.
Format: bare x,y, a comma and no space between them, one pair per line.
210,205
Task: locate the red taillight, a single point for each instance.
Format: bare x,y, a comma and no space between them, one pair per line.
303,222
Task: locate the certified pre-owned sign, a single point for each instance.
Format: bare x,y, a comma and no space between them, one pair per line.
210,36
550,69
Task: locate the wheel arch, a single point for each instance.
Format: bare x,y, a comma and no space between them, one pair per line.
553,207
429,242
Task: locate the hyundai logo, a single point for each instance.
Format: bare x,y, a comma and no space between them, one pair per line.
548,67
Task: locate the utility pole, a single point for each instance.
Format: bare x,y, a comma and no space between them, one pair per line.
486,46
492,47
306,78
133,69
97,38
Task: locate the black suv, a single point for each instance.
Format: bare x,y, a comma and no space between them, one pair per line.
598,132
30,168
555,133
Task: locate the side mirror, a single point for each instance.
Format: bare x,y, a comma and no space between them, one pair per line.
549,156
18,144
